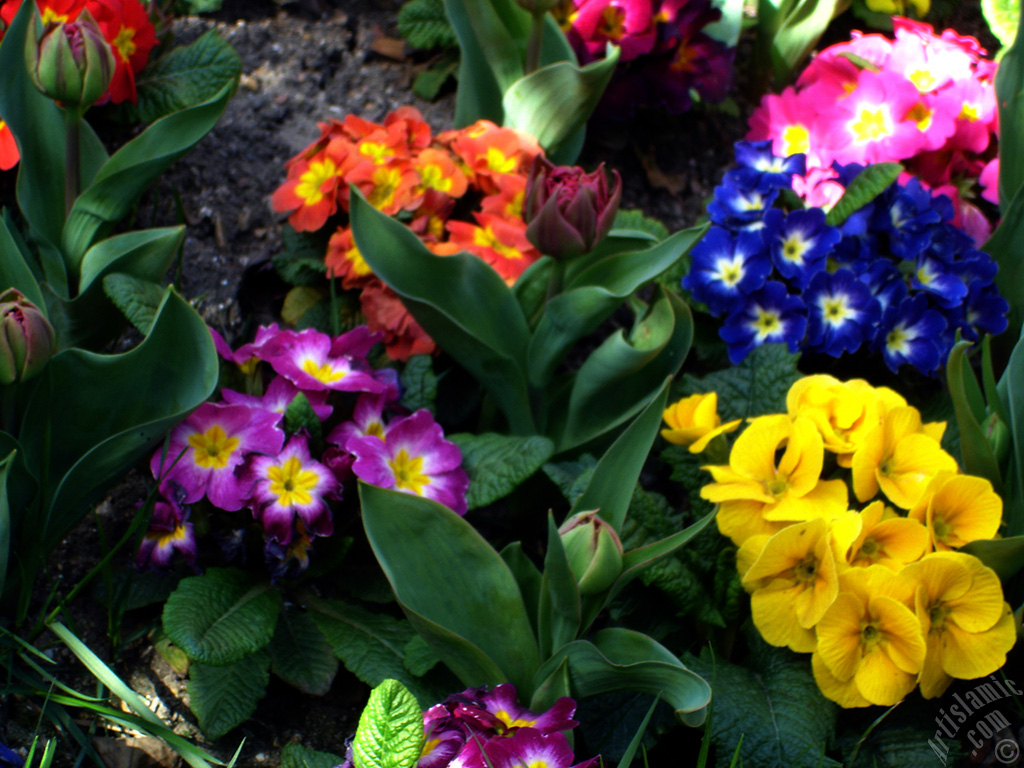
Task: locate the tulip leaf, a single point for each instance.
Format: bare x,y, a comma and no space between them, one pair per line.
554,102
1002,17
444,572
132,169
623,660
445,295
527,576
221,616
622,273
1011,394
497,464
5,518
611,484
969,404
560,610
390,731
636,560
802,25
300,654
1009,83
1004,246
624,374
15,271
482,38
224,697
138,300
1004,556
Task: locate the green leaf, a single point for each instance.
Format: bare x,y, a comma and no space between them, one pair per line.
527,576
390,732
15,269
1004,556
138,300
1010,101
419,383
554,102
299,415
430,81
1004,246
301,260
1011,394
865,187
560,611
571,477
185,76
445,295
1002,17
300,654
633,220
906,747
424,24
497,464
221,616
969,404
803,23
773,705
297,756
224,697
456,589
419,656
755,387
5,518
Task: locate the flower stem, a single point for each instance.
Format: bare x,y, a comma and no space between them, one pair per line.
534,41
72,159
556,280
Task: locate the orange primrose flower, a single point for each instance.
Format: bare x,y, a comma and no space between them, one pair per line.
500,243
384,311
310,192
127,27
344,260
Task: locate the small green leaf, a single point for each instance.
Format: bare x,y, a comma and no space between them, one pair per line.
139,300
430,81
297,756
755,387
423,24
390,732
224,697
300,653
419,656
497,464
299,415
301,260
633,219
865,187
221,616
419,383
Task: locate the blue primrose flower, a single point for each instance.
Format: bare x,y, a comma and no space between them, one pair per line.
885,283
841,313
737,207
725,268
762,171
940,281
909,216
985,311
768,316
799,243
912,333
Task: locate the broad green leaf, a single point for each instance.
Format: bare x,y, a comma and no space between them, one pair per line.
865,187
424,25
969,404
802,26
611,485
138,300
482,38
1010,101
221,616
773,705
390,731
1011,393
5,518
224,697
1004,556
755,387
419,656
185,76
728,28
623,660
623,375
560,611
297,756
554,102
419,383
497,464
1004,246
633,221
300,654
132,169
527,576
442,570
446,295
1002,17
15,272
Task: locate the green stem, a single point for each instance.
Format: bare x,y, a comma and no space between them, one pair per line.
534,41
556,280
73,159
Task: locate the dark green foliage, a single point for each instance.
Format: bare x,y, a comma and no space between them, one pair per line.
423,24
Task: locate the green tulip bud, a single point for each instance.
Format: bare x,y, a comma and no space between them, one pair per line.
26,338
71,62
594,551
998,436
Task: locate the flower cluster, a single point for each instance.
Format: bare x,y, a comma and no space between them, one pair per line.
125,25
666,56
240,453
925,100
897,277
481,728
407,172
881,598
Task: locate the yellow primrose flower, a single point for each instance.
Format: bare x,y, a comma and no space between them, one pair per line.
756,495
870,646
958,509
884,538
793,581
694,421
901,456
967,625
843,412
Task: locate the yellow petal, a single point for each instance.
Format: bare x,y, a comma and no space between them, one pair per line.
701,443
903,641
915,460
845,694
753,453
839,636
740,520
772,611
803,459
787,548
968,655
964,508
933,680
826,500
880,681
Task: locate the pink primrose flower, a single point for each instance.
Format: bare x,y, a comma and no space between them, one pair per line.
169,530
628,24
527,746
279,395
367,420
310,361
989,179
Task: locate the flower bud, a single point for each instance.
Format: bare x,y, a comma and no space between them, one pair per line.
567,211
26,338
998,436
594,551
71,62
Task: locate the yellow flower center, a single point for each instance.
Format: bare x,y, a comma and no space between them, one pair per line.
806,570
923,79
212,448
377,152
794,247
871,635
376,429
385,185
125,43
777,487
322,372
684,58
433,177
497,161
291,483
766,323
180,533
937,616
796,139
408,471
970,112
613,23
511,722
897,340
484,236
869,548
871,124
941,528
311,182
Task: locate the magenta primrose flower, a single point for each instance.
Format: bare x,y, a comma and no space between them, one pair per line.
367,420
169,530
311,361
499,710
527,746
289,485
279,395
212,443
414,458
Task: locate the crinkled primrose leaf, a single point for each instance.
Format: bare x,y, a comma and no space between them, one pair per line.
390,732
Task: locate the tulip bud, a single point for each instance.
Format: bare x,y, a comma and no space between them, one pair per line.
998,436
26,338
567,211
594,551
71,62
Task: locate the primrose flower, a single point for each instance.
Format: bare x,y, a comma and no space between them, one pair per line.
212,444
738,207
799,242
770,315
126,25
279,395
694,421
884,538
290,485
310,360
968,626
761,170
9,154
725,269
414,458
169,530
911,333
498,710
841,312
758,494
310,194
958,509
870,647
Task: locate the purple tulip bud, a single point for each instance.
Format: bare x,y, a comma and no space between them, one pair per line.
594,551
568,211
26,338
71,62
